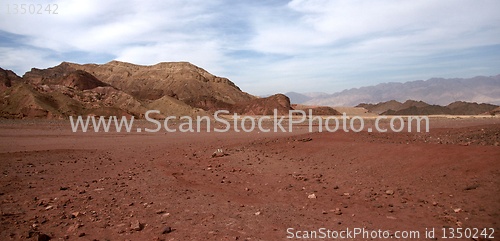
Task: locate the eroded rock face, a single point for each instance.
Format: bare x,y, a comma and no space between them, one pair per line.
118,88
6,78
264,106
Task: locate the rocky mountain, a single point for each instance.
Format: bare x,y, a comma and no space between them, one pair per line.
437,91
316,110
119,88
411,107
264,106
393,105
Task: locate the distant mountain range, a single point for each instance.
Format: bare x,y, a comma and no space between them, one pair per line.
411,107
437,91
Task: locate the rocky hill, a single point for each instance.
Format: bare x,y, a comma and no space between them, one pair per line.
411,107
391,105
119,88
264,106
316,110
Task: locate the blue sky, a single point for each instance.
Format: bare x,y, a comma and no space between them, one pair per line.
265,47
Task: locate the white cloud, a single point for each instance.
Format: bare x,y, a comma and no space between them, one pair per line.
202,53
20,60
313,45
328,23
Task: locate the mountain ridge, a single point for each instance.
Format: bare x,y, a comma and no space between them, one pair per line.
441,91
412,107
120,88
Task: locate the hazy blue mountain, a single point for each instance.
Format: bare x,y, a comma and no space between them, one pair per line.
299,98
480,89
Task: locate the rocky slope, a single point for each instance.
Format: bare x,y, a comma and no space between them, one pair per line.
265,106
119,88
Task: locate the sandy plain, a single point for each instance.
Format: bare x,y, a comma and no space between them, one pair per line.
167,186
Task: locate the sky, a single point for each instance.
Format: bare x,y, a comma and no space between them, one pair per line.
265,47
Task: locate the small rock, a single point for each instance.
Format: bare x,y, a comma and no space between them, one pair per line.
337,211
389,192
218,153
257,213
312,196
81,234
73,228
75,214
457,210
434,203
43,237
166,230
136,225
160,211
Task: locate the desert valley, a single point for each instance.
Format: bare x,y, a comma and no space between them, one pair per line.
57,184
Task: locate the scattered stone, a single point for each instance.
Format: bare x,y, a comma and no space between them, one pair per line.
257,213
136,225
218,153
166,230
43,237
63,188
389,192
74,227
31,233
75,214
312,196
160,211
434,203
44,202
81,234
457,210
337,211
471,187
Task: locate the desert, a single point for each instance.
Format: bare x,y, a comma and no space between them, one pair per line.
155,186
126,120
167,179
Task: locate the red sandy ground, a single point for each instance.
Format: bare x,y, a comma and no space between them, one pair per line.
96,186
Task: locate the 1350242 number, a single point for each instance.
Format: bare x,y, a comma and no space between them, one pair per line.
32,9
468,233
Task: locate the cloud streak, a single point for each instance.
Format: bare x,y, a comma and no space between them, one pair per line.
267,46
